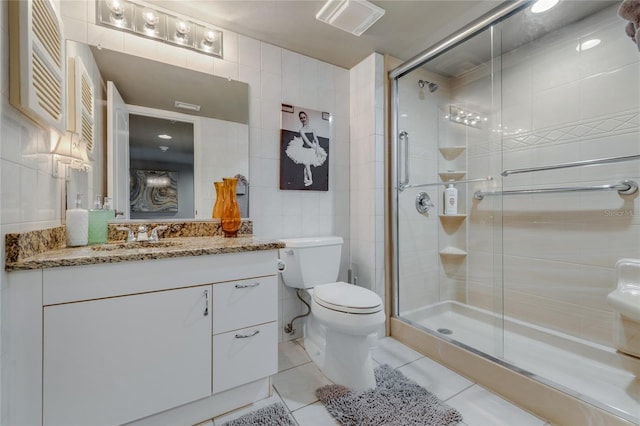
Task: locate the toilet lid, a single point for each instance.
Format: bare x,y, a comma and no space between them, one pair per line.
349,298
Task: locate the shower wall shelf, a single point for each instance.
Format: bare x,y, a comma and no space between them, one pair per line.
452,217
451,222
452,175
452,251
451,152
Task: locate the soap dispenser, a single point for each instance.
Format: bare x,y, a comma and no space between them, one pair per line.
77,224
99,217
451,200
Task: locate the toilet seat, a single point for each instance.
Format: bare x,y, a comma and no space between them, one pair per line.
347,298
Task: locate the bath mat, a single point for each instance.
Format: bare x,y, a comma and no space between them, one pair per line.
395,401
271,415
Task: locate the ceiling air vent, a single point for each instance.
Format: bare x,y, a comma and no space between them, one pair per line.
353,16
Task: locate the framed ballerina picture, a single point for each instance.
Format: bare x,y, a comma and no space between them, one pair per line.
304,149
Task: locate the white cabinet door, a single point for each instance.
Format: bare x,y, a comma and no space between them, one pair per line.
114,360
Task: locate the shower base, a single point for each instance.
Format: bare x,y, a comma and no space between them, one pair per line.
594,373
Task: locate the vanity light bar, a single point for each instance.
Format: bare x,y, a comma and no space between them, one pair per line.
146,21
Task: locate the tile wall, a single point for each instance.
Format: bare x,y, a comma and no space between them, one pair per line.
367,173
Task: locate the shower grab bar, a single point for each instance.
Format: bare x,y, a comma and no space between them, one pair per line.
402,187
626,187
573,164
404,135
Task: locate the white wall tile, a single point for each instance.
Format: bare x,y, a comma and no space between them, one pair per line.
270,58
249,52
225,69
105,37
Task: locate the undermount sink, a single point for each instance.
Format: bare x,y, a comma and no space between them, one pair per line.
133,245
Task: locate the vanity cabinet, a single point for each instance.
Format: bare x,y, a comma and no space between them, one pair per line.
162,341
123,358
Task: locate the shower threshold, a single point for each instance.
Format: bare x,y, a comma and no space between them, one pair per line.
594,373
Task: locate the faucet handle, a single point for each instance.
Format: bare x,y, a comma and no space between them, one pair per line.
130,235
154,232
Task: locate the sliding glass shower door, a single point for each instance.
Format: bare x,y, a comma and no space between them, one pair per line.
447,113
534,119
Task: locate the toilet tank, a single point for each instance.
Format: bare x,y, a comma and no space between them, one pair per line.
311,261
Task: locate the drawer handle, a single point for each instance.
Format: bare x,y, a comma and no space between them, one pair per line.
245,336
247,285
206,303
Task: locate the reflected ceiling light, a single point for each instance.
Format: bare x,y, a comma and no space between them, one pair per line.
588,44
163,148
157,181
462,116
543,5
143,20
165,136
352,16
186,105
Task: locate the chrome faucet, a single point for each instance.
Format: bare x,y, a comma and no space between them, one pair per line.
154,232
143,233
130,235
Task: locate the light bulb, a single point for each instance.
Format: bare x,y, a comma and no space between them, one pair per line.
117,8
210,37
150,18
182,29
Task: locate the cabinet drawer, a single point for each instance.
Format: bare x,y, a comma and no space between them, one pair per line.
245,355
239,304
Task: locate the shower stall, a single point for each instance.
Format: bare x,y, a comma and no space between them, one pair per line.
534,117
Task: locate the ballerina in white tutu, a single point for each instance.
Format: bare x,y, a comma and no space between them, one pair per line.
306,149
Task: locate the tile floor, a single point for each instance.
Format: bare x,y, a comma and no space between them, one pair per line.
298,378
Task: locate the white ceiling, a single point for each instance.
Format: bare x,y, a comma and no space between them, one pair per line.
406,29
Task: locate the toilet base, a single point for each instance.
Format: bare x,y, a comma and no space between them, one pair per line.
347,360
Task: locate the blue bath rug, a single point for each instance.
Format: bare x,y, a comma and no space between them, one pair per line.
271,415
395,401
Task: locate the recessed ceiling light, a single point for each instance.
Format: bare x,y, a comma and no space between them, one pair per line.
165,136
543,5
588,44
163,148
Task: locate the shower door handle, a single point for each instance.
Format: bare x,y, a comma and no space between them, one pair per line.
404,136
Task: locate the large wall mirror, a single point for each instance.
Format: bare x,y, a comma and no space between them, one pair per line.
168,134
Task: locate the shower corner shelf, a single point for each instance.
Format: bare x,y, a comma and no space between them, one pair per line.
453,217
451,152
452,175
452,251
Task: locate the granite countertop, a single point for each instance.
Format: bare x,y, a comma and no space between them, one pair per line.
119,251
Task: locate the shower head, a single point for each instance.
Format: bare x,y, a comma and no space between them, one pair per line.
431,86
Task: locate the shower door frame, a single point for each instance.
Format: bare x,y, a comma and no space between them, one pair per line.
557,396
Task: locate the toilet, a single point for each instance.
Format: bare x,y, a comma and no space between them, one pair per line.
344,317
625,300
